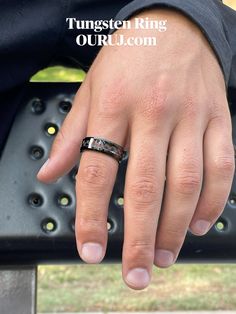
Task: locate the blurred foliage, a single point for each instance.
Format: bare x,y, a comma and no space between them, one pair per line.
231,3
59,74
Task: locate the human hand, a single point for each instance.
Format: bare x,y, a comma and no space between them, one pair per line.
169,99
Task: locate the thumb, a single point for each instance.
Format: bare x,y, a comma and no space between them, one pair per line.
65,151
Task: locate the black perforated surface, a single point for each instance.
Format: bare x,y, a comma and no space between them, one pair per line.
36,220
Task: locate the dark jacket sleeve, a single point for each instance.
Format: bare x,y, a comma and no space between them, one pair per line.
216,20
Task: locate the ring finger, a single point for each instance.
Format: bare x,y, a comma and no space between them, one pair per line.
182,190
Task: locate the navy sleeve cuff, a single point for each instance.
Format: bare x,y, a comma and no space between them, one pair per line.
205,13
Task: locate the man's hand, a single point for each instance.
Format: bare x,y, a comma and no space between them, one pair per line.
168,99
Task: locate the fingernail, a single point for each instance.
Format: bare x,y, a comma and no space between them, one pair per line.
138,277
44,166
92,252
164,258
200,226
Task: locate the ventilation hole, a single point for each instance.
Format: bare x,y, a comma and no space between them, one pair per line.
120,201
38,106
35,200
65,106
64,200
49,225
232,200
36,152
221,225
109,225
51,129
73,173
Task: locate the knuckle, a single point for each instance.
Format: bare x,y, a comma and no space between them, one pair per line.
171,238
154,105
139,250
152,110
224,164
144,190
187,182
175,233
141,244
187,178
87,226
93,174
147,168
190,105
219,114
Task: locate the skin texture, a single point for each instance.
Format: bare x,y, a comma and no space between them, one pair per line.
167,105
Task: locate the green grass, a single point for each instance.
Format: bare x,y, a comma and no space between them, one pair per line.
84,287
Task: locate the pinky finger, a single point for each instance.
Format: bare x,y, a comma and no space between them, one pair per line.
219,167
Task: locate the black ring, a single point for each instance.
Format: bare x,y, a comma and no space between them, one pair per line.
103,146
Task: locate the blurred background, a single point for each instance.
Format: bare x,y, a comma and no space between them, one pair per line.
231,3
80,288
